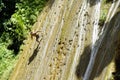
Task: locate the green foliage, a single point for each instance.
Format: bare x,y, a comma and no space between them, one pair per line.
1,5
6,61
102,17
104,11
28,10
19,24
16,20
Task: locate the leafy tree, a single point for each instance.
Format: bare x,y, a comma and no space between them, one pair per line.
16,20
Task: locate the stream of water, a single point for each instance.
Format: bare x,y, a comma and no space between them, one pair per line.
96,46
94,38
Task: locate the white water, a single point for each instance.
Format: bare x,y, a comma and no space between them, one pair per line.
95,47
94,38
111,12
81,36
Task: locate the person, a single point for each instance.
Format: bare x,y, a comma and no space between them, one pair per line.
36,35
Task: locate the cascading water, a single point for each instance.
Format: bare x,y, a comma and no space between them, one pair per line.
71,48
94,38
96,46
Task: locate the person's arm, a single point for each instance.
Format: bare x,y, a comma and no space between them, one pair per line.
37,32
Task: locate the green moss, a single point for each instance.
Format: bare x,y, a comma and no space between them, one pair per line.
104,11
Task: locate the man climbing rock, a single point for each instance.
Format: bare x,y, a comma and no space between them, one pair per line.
36,35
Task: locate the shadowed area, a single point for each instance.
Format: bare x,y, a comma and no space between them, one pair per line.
65,51
117,61
50,3
105,53
94,2
83,62
32,57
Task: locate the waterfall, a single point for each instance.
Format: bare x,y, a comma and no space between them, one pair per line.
94,38
96,46
72,46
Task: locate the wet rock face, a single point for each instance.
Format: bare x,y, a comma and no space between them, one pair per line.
69,44
116,73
